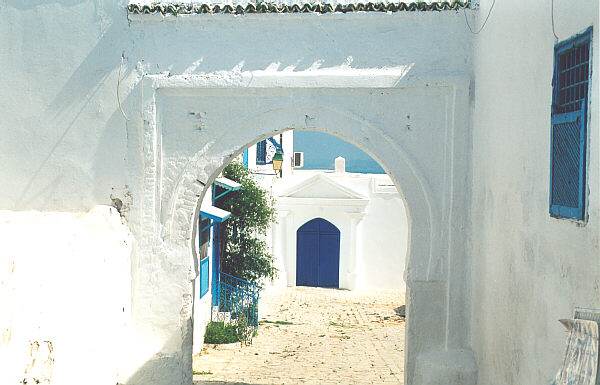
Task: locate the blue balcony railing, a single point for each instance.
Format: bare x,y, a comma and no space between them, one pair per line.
237,297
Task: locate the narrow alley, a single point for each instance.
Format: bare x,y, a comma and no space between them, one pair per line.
315,336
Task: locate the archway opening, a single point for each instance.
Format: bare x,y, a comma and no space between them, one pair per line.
334,229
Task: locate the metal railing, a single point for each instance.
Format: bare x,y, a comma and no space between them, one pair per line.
236,298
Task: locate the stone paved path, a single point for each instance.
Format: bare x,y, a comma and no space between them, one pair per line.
333,337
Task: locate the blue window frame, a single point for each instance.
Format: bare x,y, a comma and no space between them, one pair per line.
204,260
570,87
261,152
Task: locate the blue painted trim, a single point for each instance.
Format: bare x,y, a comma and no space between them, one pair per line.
216,264
223,193
245,158
220,182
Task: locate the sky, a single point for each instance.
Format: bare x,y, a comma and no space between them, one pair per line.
320,151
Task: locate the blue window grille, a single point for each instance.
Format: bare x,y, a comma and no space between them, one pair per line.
204,259
261,152
569,132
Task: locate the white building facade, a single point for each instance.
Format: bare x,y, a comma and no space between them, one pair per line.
366,209
369,214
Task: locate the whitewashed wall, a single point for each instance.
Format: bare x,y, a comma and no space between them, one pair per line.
529,269
373,233
65,290
384,237
202,313
395,84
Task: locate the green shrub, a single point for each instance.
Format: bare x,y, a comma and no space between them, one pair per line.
243,332
221,333
244,253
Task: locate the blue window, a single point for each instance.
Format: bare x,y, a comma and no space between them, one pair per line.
266,149
569,127
261,152
203,251
204,274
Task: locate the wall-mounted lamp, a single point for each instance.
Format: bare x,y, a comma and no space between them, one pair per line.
277,161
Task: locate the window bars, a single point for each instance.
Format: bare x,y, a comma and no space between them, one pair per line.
569,127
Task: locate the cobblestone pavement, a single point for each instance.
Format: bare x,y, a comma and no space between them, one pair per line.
314,336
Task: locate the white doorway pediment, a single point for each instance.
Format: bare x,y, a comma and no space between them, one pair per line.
320,191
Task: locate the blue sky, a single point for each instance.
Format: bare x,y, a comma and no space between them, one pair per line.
320,151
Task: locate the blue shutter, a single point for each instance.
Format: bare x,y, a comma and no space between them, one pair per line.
567,195
204,267
261,152
245,158
204,224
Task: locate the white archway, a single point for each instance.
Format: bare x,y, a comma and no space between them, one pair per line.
419,134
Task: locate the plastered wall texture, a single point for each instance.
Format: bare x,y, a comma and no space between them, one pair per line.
529,269
195,91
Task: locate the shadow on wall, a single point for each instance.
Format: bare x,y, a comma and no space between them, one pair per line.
109,168
337,39
167,368
88,83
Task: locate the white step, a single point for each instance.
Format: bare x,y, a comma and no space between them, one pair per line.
221,316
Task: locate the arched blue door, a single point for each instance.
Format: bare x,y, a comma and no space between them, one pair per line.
318,254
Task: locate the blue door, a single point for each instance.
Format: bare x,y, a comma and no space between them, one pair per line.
318,254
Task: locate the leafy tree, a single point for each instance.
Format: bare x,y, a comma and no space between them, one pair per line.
243,250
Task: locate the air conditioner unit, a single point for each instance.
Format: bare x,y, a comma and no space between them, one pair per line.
298,160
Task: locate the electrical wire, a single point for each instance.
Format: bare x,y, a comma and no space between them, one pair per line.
553,30
118,85
484,22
